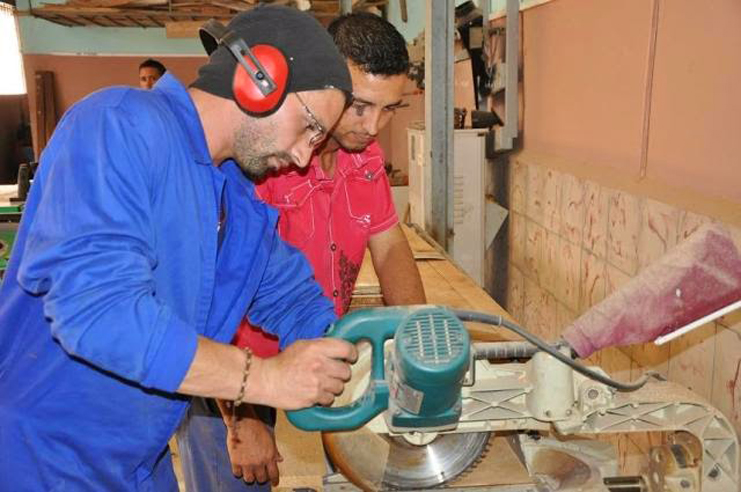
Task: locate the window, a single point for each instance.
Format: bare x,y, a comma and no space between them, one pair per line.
12,81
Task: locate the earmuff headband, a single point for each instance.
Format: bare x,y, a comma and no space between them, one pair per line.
218,34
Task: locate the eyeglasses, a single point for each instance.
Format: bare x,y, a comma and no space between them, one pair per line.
319,131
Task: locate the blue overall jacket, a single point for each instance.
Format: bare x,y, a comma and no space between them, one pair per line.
120,264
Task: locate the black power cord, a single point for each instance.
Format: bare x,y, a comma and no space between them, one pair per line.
544,346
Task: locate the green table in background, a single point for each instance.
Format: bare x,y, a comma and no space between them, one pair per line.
10,216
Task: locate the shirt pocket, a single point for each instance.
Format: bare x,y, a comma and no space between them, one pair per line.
297,222
360,200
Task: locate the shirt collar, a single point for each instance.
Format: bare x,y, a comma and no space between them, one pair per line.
182,104
349,161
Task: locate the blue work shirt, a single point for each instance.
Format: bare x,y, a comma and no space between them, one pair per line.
116,271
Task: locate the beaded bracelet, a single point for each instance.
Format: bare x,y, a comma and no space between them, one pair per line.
245,373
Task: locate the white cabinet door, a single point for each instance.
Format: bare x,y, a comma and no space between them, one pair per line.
470,176
469,188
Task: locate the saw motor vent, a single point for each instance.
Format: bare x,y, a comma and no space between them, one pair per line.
431,356
433,338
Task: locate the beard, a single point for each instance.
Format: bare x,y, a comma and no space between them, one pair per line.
253,151
353,142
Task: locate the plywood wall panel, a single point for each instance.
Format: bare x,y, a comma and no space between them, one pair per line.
726,392
692,358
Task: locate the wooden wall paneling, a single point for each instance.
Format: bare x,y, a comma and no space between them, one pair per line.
692,360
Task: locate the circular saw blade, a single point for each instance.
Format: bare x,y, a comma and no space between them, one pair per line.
435,463
378,461
381,462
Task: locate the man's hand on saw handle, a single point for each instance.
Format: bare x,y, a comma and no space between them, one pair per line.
307,373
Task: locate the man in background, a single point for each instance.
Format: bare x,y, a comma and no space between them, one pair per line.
150,71
331,211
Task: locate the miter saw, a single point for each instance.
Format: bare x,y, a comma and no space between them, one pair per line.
433,399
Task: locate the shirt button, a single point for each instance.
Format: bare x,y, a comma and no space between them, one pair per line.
333,247
335,293
368,175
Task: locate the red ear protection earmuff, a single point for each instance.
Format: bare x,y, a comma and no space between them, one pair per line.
261,77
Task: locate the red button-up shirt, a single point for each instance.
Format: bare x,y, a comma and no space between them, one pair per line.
330,219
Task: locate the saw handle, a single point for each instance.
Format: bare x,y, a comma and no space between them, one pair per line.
375,325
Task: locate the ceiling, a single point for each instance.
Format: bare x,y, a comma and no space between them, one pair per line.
180,17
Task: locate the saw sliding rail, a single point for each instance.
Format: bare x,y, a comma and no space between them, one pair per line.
338,483
543,394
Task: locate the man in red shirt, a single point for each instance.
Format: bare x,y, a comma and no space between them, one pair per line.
332,210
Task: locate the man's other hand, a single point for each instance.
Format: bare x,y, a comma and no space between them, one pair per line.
252,450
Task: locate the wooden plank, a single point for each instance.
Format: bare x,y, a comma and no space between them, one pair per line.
183,29
128,17
303,456
467,288
74,22
437,288
444,285
39,137
61,9
131,19
132,12
237,6
127,22
326,8
45,109
420,247
116,3
92,20
154,21
367,281
50,112
441,290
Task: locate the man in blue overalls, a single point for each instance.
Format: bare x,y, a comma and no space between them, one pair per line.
141,248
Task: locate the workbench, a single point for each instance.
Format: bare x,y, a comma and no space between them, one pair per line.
304,464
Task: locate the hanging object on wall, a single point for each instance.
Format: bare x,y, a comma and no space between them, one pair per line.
46,115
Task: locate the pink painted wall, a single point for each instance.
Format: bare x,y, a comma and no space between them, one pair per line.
696,106
585,81
77,76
